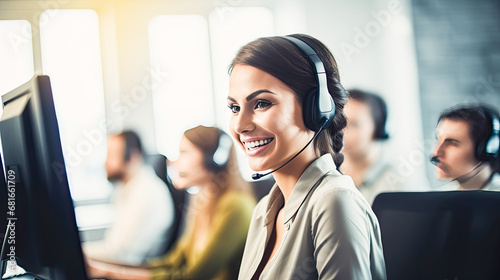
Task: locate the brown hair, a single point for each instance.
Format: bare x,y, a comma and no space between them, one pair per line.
201,208
378,110
226,178
280,58
479,119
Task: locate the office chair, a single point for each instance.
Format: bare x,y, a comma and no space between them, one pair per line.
159,164
440,235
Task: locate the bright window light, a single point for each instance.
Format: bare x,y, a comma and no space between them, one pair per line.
229,30
71,57
179,46
16,54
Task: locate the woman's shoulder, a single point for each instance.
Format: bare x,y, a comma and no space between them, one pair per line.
339,190
335,182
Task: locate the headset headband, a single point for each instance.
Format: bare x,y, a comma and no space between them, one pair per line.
319,107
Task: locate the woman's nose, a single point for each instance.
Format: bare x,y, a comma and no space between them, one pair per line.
243,122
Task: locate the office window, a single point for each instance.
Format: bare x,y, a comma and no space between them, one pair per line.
179,46
16,54
71,57
229,30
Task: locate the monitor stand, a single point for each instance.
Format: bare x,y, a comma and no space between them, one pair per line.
28,276
15,272
23,275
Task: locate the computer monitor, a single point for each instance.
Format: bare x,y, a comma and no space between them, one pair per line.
46,239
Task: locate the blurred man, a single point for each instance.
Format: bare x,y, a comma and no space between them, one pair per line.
468,148
365,159
144,211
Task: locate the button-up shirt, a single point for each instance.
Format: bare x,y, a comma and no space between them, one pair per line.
330,230
144,213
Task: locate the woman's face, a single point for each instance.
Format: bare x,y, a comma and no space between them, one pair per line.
266,118
190,165
360,128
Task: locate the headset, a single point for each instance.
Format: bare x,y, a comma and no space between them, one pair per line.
217,160
318,106
490,150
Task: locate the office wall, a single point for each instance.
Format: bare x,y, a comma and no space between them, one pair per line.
372,41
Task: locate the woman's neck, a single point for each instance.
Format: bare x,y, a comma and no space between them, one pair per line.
287,177
207,195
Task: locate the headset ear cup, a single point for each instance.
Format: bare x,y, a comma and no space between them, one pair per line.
209,164
492,146
309,109
217,160
489,149
312,115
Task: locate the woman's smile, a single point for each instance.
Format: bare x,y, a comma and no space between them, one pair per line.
266,118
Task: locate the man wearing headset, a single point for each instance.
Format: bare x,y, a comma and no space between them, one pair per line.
468,146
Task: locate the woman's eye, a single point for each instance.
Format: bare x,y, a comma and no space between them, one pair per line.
261,104
234,109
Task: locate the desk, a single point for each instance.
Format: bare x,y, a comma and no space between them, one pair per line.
93,220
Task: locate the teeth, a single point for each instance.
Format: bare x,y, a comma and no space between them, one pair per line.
256,144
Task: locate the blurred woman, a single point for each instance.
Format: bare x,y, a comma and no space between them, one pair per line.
218,215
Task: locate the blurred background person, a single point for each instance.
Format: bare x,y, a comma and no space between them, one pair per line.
365,157
468,146
218,216
143,206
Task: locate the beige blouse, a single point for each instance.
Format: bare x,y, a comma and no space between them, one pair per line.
331,231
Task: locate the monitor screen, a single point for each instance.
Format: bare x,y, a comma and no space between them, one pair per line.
44,237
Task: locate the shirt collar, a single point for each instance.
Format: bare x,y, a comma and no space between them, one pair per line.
493,184
142,174
307,181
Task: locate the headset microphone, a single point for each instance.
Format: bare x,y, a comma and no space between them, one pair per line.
471,174
434,160
256,176
464,177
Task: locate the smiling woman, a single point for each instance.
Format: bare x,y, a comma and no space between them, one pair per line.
277,111
285,93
